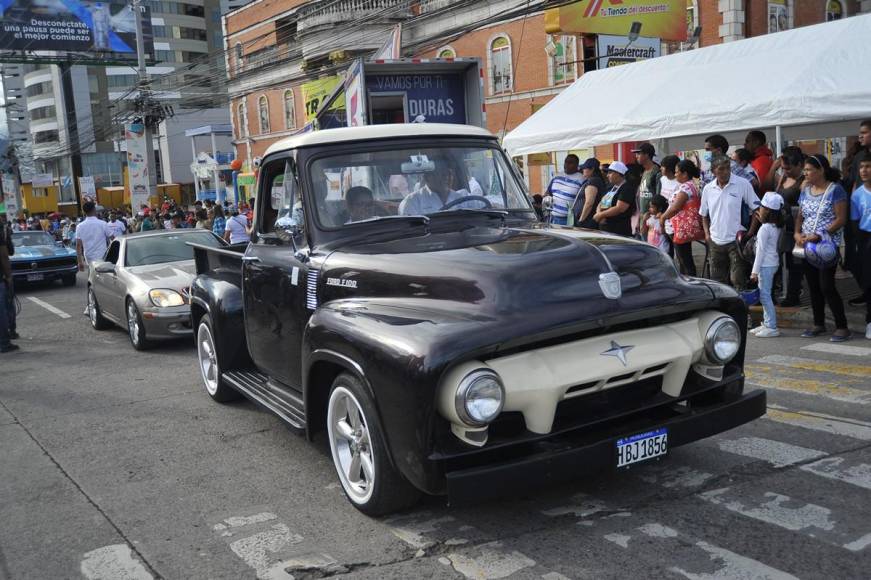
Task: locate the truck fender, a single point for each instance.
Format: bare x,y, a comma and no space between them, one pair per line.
222,301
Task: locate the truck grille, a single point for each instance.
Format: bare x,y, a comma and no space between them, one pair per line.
610,402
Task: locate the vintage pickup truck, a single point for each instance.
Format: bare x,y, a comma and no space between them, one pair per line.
399,293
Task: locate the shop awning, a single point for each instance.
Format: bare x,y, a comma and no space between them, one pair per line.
811,75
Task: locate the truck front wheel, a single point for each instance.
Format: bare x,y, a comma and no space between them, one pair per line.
369,479
210,368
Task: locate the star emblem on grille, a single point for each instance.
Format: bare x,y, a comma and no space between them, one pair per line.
618,352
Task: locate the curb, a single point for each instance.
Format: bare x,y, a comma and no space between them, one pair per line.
802,317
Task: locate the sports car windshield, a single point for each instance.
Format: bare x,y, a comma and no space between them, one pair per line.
411,181
166,248
22,239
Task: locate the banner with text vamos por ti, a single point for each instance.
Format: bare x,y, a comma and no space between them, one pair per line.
665,19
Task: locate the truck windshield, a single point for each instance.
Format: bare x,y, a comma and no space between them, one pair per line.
413,181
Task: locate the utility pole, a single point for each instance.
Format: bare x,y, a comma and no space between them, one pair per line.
144,105
66,75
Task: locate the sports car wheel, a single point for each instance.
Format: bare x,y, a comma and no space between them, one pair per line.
135,328
210,369
368,477
96,318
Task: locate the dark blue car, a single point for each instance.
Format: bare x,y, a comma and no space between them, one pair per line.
39,257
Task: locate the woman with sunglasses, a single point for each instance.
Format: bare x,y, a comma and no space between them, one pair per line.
823,210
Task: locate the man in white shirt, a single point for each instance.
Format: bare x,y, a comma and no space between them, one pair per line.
116,226
435,194
236,231
722,200
92,237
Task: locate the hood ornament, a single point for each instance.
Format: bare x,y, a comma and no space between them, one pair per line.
618,352
610,285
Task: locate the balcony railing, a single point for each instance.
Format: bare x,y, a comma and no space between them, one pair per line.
335,12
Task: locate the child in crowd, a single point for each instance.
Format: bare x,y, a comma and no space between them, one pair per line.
768,260
860,215
651,225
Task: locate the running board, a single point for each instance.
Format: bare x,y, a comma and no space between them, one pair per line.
264,391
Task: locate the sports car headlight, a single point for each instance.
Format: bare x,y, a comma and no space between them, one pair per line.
163,298
722,340
479,398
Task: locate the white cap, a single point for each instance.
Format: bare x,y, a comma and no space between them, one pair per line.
618,167
772,201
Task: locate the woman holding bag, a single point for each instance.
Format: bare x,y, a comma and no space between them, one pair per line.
683,215
820,221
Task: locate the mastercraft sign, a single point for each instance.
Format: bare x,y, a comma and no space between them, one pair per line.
617,50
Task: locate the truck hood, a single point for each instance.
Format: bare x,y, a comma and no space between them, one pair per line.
552,274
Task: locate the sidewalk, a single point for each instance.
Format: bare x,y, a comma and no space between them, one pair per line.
802,316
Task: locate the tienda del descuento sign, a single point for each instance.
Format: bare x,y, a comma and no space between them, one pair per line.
665,19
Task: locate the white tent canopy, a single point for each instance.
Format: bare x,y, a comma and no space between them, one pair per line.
811,75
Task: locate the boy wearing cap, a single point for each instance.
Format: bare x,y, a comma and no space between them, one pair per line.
767,261
615,211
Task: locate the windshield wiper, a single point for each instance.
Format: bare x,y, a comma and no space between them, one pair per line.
494,213
411,218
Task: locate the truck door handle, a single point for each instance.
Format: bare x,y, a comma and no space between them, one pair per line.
251,259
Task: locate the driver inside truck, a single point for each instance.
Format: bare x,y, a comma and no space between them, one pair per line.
438,191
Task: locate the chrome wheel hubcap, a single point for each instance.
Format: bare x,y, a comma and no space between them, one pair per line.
133,323
208,359
92,307
350,444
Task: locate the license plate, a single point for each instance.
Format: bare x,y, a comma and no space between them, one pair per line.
642,447
34,277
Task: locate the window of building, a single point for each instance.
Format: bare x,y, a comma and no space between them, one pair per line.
39,89
835,10
243,121
238,49
562,50
501,76
447,52
263,111
43,113
117,81
45,137
164,55
192,33
778,16
289,110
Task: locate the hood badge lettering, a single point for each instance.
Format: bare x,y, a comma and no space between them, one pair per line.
618,352
342,283
610,285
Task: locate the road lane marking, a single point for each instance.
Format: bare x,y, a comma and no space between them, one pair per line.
700,555
832,468
49,307
776,453
113,563
844,349
762,377
819,422
774,511
860,544
822,366
487,561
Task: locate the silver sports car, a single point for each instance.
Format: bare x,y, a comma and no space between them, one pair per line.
142,284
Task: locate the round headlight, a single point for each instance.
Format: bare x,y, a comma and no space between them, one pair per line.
163,298
723,340
479,397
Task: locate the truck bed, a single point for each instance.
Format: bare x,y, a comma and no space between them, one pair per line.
224,261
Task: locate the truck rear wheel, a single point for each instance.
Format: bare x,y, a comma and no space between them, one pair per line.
210,363
369,480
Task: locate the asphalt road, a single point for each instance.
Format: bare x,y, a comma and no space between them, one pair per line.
116,465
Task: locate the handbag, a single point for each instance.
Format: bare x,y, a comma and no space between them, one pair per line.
687,223
799,252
